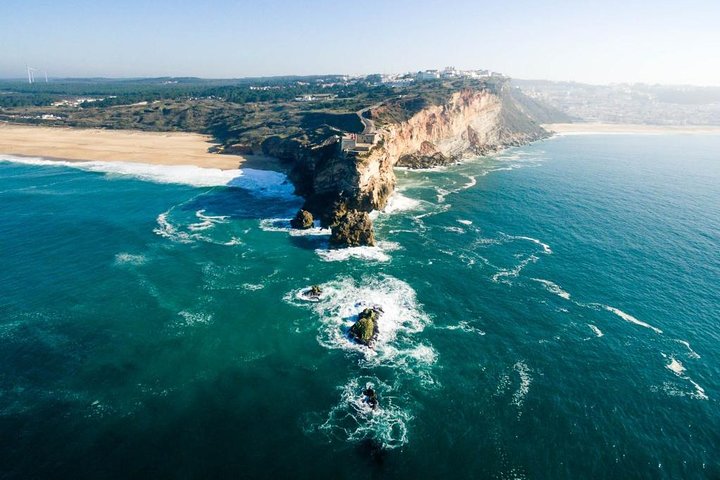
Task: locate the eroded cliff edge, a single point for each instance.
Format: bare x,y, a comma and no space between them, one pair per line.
342,185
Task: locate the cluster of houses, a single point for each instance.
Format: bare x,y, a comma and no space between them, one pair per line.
315,97
447,72
74,102
359,142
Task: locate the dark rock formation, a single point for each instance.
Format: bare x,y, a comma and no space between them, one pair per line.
427,156
416,160
314,292
365,330
351,229
303,220
371,398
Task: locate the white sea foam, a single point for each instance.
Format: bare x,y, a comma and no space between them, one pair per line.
401,319
233,241
505,274
546,248
629,318
253,286
598,333
472,181
194,318
260,182
206,221
129,259
691,353
675,366
523,372
453,229
441,194
699,391
400,203
353,418
378,253
168,230
679,370
183,174
553,288
283,225
464,327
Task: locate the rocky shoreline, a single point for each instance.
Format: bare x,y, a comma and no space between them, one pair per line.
342,187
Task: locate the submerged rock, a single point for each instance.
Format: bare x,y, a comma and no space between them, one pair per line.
365,330
352,229
371,398
303,220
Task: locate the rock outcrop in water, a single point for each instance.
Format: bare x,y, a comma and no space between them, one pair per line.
313,292
415,131
302,220
352,229
365,329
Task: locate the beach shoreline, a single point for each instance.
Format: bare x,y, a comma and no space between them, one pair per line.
131,146
626,128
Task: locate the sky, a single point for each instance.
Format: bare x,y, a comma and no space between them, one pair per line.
660,41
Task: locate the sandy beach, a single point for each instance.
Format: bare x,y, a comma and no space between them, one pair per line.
590,128
157,148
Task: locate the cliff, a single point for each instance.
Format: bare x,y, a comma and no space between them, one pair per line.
414,131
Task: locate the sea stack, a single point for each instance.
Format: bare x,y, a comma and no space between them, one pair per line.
365,330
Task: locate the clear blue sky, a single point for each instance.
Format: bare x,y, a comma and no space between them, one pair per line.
593,41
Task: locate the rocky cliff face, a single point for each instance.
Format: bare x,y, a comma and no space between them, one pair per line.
339,186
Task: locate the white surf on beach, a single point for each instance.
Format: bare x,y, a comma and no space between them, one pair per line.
259,182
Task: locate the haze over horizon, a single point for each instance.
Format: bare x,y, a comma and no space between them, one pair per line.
593,42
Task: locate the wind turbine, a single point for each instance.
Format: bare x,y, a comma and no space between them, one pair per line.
31,74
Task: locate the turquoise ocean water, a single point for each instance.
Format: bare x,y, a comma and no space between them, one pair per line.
550,312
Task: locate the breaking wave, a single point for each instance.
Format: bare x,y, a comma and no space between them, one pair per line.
353,419
402,319
260,182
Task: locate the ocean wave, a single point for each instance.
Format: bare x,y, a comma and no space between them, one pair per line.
629,318
546,248
504,274
691,353
453,229
552,288
400,203
167,230
441,194
206,221
354,420
679,370
675,366
259,182
402,318
283,225
463,326
191,231
378,253
472,181
598,333
180,174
